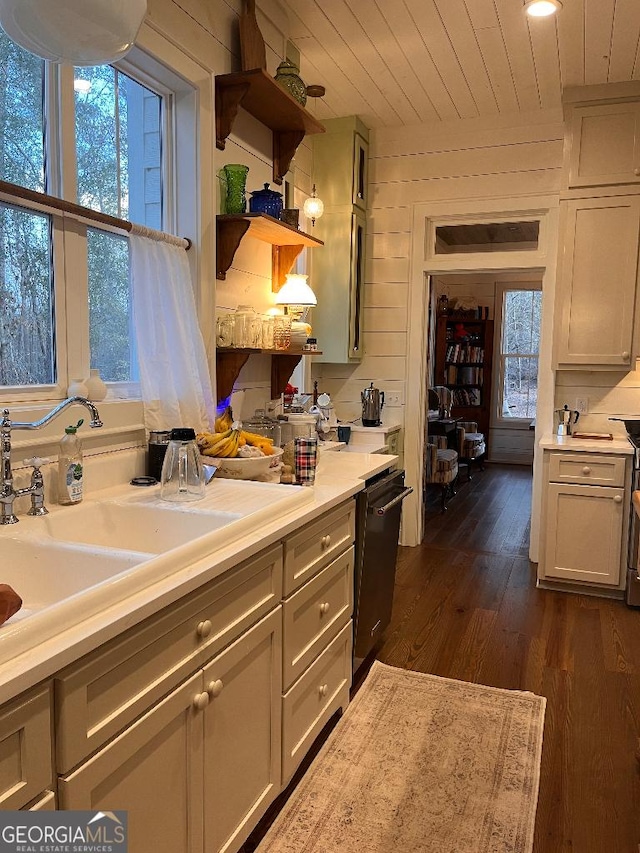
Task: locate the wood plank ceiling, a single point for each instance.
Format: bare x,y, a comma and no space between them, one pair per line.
399,62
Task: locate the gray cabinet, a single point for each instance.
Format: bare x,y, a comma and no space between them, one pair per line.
340,170
605,144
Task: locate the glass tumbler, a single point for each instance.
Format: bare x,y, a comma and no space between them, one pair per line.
236,176
224,330
267,333
282,331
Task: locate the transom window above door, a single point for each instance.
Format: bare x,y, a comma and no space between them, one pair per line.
487,237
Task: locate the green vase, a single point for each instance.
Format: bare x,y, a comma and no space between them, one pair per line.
236,177
288,76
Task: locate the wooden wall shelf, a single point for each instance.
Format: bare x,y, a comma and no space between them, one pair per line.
231,360
287,242
257,92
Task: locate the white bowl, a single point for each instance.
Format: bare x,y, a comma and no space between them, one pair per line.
245,468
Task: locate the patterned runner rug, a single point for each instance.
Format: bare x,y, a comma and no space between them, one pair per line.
420,764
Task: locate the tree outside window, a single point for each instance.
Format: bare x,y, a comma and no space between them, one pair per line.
520,345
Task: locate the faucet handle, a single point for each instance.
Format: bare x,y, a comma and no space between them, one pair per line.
37,462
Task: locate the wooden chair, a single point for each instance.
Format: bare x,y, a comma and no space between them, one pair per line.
472,446
441,466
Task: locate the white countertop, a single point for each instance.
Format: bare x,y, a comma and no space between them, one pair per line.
620,445
35,647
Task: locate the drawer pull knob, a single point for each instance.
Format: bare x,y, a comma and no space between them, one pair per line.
204,629
215,688
324,608
625,356
586,470
200,701
618,499
636,171
325,541
322,690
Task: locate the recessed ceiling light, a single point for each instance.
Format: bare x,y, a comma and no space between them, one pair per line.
542,8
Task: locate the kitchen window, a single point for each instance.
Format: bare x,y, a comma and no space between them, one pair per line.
99,137
520,307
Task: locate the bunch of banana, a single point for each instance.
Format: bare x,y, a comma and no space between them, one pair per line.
221,444
224,421
265,444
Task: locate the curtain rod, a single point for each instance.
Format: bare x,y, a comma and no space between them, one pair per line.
81,212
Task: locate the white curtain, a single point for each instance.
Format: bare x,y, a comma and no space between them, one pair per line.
174,374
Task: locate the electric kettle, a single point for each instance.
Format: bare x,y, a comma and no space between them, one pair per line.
372,403
566,418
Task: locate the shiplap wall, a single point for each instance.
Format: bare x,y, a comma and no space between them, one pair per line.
207,30
476,159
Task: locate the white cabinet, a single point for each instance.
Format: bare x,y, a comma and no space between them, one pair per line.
597,280
605,144
340,159
222,726
317,639
25,748
586,508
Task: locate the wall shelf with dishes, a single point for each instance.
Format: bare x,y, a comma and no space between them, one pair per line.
231,360
287,242
259,94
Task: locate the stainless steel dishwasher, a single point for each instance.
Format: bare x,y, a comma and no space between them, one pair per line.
378,510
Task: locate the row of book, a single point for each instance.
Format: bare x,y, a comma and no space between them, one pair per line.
466,397
457,353
454,375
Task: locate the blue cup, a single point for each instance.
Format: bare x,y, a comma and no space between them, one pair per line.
344,433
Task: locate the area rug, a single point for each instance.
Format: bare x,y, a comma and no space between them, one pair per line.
420,764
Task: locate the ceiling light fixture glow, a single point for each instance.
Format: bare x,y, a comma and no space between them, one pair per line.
542,8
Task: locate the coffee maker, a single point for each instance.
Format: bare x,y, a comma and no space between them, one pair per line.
372,403
566,419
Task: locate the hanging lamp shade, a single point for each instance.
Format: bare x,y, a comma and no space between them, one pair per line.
313,207
77,32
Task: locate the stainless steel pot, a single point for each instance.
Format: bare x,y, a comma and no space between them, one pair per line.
372,403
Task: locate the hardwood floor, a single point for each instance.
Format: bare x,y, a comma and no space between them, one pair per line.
466,606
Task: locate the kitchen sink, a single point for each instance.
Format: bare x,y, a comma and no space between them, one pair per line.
132,526
44,573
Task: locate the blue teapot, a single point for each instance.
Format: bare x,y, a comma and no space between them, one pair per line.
266,201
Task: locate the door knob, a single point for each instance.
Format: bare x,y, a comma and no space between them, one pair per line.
618,499
324,608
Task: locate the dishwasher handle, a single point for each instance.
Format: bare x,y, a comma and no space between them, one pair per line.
382,510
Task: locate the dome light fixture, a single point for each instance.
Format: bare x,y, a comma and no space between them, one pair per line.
77,32
542,8
313,207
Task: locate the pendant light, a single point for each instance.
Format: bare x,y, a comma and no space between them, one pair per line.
542,8
313,207
77,32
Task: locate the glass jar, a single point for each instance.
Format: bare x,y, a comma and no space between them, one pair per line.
236,179
282,331
288,76
224,330
267,332
262,424
243,320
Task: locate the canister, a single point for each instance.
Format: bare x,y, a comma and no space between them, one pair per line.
158,441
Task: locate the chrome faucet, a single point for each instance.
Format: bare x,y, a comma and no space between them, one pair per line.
8,493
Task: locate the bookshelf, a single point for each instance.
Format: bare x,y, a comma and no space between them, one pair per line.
463,360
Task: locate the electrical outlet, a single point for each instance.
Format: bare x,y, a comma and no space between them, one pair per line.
582,405
393,398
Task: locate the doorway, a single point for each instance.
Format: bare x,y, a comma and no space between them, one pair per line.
427,262
499,390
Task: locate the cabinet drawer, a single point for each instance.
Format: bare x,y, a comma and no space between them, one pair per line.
314,615
25,748
307,552
588,468
110,687
313,699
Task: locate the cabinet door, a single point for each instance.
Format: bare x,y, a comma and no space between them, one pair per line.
597,285
25,748
356,286
242,734
584,533
605,145
360,171
153,770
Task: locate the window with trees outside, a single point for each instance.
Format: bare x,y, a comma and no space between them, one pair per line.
93,136
518,354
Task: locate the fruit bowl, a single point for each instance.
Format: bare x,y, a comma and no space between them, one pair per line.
247,468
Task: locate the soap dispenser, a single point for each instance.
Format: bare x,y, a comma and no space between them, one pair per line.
70,469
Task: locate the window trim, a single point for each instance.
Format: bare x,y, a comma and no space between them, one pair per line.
498,420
